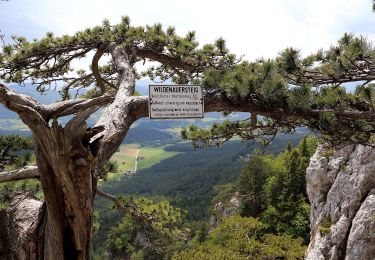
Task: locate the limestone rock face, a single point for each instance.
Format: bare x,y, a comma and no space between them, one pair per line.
224,209
341,189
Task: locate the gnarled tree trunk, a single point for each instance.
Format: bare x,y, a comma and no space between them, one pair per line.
66,168
70,157
69,162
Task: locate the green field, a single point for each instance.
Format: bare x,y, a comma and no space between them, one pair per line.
147,157
153,156
125,158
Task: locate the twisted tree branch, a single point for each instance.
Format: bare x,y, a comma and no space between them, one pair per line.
69,107
28,172
16,102
100,81
164,59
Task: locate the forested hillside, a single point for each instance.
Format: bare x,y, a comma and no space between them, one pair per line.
271,190
185,181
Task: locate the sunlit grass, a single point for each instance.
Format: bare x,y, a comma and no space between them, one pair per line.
149,156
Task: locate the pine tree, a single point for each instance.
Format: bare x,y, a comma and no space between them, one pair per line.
70,157
10,148
303,148
287,209
250,186
292,91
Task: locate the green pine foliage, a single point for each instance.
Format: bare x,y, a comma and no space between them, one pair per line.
49,60
274,190
109,167
258,80
274,218
291,91
16,152
250,186
147,239
243,238
287,92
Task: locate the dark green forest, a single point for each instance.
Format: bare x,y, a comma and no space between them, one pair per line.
273,206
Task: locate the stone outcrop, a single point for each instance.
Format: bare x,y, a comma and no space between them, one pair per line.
224,209
341,189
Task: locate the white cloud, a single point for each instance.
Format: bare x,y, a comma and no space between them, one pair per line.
253,28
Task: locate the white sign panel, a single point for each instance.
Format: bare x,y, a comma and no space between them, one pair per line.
175,101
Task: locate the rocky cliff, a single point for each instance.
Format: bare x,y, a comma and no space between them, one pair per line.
341,189
224,209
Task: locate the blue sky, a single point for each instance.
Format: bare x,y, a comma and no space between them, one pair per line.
253,28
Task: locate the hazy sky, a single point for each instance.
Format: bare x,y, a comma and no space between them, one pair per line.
254,28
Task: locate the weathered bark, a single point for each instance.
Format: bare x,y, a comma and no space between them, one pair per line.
66,164
66,161
21,227
69,158
120,114
67,167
